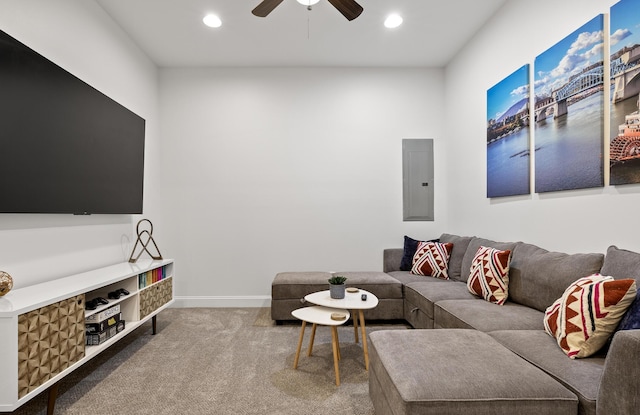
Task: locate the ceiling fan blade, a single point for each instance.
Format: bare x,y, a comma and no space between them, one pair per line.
349,8
266,7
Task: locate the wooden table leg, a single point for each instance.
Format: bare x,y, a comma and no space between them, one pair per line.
153,325
338,341
364,340
336,348
295,361
355,324
313,337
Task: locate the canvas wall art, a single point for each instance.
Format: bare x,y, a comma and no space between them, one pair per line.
569,111
508,136
624,145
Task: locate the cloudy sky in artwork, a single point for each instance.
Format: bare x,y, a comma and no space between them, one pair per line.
625,24
508,92
570,56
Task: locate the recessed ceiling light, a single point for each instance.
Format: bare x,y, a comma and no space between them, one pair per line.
212,20
308,2
393,21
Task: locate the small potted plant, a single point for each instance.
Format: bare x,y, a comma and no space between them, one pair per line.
336,286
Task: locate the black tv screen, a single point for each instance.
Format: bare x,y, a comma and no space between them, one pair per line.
65,147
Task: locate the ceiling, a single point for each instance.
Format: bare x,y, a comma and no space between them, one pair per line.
171,32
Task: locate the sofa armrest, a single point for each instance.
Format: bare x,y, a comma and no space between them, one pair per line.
620,381
391,259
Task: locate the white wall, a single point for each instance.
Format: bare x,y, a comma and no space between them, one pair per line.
570,221
289,169
80,37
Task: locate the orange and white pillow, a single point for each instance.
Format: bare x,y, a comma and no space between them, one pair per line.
587,314
489,274
432,259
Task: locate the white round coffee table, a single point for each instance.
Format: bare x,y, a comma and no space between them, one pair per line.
351,301
321,315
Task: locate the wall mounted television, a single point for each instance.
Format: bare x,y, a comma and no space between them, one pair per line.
65,147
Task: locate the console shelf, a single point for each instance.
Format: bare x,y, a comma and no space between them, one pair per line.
42,326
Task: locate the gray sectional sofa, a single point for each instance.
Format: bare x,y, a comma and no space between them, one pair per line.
485,358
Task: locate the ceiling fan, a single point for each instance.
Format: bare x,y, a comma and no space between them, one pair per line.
349,8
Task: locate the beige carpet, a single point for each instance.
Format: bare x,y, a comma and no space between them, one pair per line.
217,361
263,318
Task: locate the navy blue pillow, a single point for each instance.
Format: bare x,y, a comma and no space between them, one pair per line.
410,248
631,319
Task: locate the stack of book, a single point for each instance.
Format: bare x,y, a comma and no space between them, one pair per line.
151,277
102,326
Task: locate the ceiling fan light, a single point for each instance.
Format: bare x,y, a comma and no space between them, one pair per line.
308,2
393,21
212,20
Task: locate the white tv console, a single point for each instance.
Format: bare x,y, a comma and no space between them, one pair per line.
42,327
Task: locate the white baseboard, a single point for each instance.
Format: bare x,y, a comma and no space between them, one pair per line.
222,302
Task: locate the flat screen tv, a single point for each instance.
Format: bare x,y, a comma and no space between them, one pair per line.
65,147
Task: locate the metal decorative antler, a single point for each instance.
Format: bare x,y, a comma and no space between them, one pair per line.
144,245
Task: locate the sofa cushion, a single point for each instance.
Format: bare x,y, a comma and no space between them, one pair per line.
472,249
485,316
406,277
460,244
391,259
432,259
620,263
586,315
295,285
539,277
458,372
489,276
581,376
381,284
424,294
620,383
408,251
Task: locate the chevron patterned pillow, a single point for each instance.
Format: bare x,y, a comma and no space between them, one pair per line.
586,315
489,274
432,259
409,250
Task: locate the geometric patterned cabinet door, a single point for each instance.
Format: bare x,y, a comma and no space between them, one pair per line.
50,339
155,297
